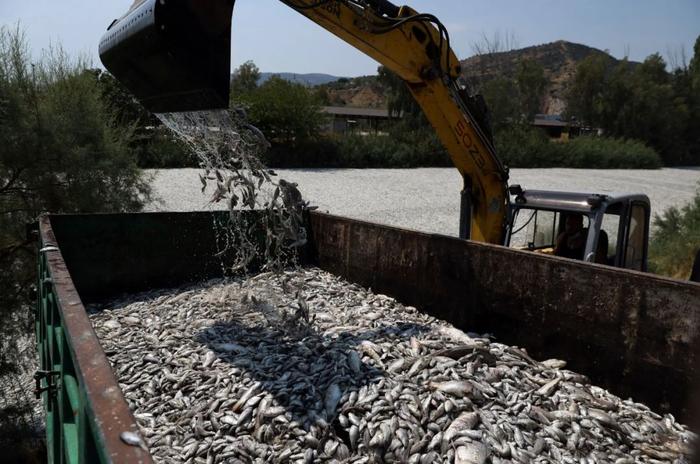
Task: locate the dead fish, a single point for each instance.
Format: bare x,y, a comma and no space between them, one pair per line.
465,421
268,368
354,361
333,395
459,388
548,388
472,453
554,364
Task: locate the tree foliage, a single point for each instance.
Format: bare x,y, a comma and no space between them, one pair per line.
400,101
676,240
153,145
515,101
644,102
531,85
62,151
286,112
244,80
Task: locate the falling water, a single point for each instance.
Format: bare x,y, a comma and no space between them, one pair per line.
229,151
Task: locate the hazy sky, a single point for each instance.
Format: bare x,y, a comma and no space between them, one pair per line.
280,40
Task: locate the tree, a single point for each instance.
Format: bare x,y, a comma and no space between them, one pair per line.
585,96
531,86
676,240
501,95
245,79
401,104
63,151
643,102
400,101
286,112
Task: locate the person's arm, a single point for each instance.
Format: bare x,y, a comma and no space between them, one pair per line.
559,243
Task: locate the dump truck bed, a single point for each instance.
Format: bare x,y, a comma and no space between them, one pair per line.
629,332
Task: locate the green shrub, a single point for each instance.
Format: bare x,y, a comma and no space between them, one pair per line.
608,153
521,147
407,150
410,147
160,150
524,147
676,240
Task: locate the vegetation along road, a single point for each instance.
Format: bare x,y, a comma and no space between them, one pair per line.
428,199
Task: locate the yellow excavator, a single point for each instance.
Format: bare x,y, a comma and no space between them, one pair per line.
174,56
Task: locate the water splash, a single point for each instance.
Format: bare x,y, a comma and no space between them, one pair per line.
229,151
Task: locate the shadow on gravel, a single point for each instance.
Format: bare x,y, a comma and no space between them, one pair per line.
299,368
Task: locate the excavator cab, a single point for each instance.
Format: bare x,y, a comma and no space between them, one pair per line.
615,227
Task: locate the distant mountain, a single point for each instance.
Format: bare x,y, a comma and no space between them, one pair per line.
309,80
559,60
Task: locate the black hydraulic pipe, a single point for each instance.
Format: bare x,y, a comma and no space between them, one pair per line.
465,210
384,8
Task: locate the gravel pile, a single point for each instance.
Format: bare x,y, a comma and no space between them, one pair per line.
428,199
305,367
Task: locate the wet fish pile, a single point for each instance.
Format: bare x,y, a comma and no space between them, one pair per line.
302,366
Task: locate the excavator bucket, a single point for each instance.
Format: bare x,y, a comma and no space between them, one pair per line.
173,55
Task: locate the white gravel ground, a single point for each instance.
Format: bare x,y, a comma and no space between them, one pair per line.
428,199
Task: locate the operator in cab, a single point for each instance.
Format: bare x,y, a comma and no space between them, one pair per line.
572,242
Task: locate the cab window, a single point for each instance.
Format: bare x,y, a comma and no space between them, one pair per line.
636,244
534,229
608,239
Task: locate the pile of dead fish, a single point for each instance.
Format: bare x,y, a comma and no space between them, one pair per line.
304,367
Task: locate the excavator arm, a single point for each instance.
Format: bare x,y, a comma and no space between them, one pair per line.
175,56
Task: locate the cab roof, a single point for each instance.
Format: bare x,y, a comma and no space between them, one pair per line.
573,201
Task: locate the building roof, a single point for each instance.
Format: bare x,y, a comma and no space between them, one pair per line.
541,122
358,112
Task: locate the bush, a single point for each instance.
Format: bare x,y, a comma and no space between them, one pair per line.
408,147
676,240
523,147
160,150
286,112
608,153
401,149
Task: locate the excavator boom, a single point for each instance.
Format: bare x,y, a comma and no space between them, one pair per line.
174,55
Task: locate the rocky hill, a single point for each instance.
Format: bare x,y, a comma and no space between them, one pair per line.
559,60
358,92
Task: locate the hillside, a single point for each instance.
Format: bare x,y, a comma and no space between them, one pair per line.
309,80
358,92
559,60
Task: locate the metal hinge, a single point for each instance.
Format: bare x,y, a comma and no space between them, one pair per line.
51,382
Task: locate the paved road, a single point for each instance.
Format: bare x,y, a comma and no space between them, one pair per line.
428,199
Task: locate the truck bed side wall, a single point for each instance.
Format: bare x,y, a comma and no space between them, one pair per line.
628,331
